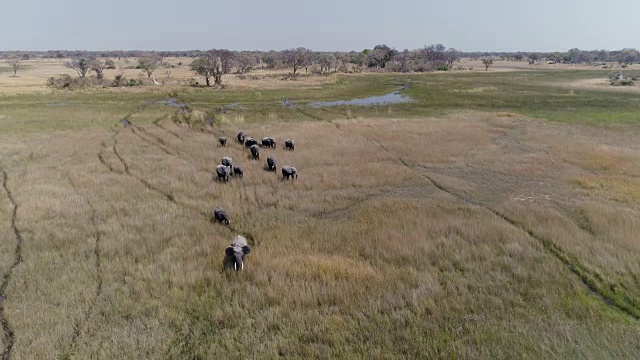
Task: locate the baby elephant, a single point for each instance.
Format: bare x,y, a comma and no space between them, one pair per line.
236,253
226,161
223,141
220,215
269,142
290,145
223,172
271,163
241,137
255,152
238,172
289,172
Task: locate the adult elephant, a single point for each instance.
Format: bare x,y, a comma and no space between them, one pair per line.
289,172
249,142
290,145
269,142
223,172
235,254
255,152
271,163
241,136
226,161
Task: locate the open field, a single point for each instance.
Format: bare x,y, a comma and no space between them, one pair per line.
495,216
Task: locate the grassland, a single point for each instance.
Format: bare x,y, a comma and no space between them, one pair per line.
495,216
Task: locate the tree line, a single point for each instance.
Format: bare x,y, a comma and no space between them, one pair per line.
213,64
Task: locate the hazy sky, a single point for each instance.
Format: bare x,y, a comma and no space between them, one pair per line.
508,25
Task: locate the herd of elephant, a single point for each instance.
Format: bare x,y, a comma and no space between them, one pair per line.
226,169
235,254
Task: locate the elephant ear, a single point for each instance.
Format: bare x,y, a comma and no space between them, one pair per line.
246,249
229,251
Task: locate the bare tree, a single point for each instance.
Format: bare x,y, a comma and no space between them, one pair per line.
80,65
98,66
148,65
452,55
487,62
213,65
14,61
297,58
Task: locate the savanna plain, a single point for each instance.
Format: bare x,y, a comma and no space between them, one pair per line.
496,215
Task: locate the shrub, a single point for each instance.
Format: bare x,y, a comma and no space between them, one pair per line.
626,82
442,68
70,83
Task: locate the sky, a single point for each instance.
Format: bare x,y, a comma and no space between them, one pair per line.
338,25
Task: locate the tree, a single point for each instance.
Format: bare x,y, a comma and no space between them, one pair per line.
381,55
245,62
148,65
14,61
80,65
452,55
271,59
325,61
297,58
213,65
98,66
487,62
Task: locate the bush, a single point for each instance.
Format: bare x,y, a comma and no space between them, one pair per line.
442,68
626,82
70,83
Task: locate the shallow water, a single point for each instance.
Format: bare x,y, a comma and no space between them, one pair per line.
288,103
391,98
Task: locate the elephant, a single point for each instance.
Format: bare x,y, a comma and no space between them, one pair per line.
236,253
223,141
289,172
238,172
220,215
255,152
269,142
271,163
290,145
241,137
249,142
223,172
226,161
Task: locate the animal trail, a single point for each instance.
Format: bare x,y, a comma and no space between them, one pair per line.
157,123
77,328
591,280
9,335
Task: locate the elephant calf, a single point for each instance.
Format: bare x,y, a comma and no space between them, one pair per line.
255,152
290,145
223,172
226,161
220,215
241,137
223,141
238,172
271,163
289,172
236,253
269,142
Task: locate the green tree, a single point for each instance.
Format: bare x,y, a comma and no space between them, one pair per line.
148,65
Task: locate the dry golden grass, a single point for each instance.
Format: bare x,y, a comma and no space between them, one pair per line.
362,256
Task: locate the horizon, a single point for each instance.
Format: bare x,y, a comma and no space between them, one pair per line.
491,26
